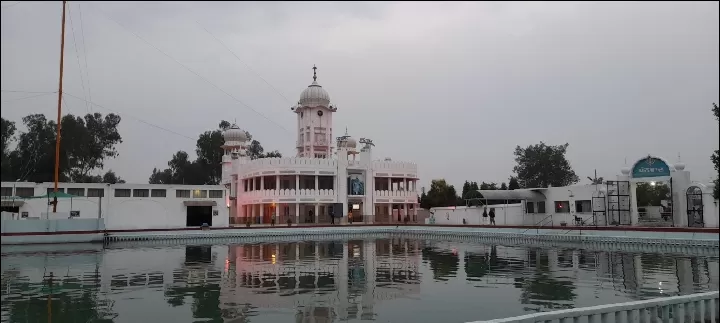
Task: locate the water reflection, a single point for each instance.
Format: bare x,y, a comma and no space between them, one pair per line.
388,280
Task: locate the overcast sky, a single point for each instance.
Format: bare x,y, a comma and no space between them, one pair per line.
453,87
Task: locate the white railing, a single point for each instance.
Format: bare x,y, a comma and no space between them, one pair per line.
384,193
286,192
701,307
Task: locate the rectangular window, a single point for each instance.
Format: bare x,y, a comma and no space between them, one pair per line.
52,189
96,192
541,207
141,192
216,194
7,191
158,193
530,207
182,193
199,194
122,192
583,206
562,206
76,191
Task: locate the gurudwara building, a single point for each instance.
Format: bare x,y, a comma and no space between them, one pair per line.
326,178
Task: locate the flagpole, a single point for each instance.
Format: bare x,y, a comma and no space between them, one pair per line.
59,110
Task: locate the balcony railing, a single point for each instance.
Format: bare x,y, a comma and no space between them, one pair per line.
395,194
287,192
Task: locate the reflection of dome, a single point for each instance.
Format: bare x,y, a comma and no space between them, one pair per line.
234,133
625,170
680,166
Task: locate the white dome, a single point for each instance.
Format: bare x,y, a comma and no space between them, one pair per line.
351,143
234,133
625,170
314,96
679,166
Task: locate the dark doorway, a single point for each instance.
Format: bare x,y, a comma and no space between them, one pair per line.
197,215
198,254
11,209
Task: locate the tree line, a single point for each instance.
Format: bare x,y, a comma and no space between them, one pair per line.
543,165
206,168
538,165
89,141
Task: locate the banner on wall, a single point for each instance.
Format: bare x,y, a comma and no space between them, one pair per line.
356,185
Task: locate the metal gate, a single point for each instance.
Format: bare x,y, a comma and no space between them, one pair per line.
598,207
618,201
695,207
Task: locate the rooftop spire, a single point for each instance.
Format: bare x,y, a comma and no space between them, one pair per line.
314,73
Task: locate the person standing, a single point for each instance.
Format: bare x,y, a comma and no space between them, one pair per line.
492,216
485,216
272,219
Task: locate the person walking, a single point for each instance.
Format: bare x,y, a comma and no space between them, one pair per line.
492,216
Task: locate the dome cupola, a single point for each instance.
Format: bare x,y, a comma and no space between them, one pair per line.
314,95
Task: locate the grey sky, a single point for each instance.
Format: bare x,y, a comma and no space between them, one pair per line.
452,86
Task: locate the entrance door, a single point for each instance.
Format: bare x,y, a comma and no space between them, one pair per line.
695,207
199,215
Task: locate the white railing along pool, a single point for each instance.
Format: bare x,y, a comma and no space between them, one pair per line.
701,307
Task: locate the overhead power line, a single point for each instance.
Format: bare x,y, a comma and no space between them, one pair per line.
77,57
241,61
192,71
132,117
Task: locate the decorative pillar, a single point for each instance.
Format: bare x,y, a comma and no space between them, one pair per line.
407,211
252,212
277,184
634,214
297,213
317,213
390,187
262,211
297,183
262,182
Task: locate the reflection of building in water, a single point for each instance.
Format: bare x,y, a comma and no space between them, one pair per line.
325,281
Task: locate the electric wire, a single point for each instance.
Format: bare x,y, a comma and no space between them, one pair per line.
28,97
77,57
241,61
133,117
192,71
87,71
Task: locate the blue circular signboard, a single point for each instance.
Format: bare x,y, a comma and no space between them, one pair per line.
650,167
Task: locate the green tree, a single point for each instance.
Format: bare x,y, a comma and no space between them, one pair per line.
503,186
513,183
424,202
7,128
488,186
540,166
716,156
441,194
652,195
87,142
207,167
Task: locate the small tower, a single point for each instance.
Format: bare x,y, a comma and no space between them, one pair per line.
233,148
314,115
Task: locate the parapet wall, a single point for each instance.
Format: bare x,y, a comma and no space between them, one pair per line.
312,166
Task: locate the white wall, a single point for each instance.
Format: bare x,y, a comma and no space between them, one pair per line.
127,212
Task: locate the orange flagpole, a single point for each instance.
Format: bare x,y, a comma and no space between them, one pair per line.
59,110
